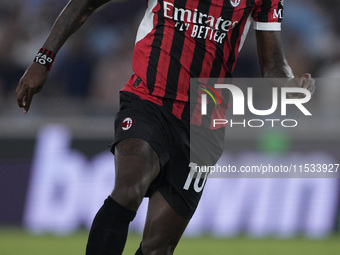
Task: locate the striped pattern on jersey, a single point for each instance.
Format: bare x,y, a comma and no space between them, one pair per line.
181,39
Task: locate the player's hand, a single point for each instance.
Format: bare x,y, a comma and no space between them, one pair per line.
302,81
30,83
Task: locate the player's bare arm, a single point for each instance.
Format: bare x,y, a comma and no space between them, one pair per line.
70,20
273,63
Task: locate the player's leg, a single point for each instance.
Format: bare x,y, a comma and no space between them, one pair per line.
163,228
137,165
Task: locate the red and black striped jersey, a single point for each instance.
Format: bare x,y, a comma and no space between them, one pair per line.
182,39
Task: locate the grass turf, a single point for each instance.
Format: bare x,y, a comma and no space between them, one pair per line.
16,241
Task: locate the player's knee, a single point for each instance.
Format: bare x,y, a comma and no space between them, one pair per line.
129,196
158,246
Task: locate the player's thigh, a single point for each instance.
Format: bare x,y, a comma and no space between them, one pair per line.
163,227
136,166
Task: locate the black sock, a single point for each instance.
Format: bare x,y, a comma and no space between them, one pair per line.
139,251
109,229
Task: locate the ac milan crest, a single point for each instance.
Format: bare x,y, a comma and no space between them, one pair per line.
127,123
235,3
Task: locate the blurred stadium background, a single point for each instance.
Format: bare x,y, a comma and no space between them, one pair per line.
55,168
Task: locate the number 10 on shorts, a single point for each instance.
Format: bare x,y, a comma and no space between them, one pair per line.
195,174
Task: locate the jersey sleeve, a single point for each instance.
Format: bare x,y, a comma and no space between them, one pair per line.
268,15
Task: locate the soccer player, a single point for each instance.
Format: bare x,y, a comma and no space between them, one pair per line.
176,40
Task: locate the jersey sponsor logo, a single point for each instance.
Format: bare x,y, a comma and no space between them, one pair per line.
200,25
127,123
235,3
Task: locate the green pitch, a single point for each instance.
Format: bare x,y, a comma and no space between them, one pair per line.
19,242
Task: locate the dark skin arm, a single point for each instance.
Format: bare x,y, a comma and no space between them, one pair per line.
273,63
70,20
